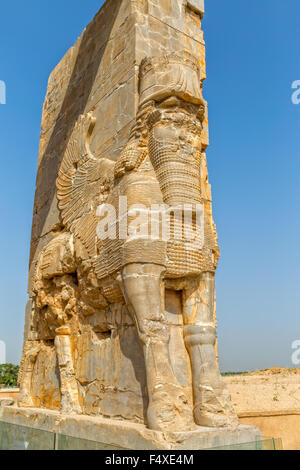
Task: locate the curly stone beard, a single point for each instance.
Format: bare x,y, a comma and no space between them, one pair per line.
175,152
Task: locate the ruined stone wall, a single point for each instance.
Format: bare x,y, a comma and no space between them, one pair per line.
100,74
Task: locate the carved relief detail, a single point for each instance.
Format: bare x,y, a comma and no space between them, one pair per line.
81,282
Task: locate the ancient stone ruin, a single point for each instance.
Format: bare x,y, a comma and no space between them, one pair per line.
122,326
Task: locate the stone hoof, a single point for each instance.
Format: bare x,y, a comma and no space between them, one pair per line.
169,411
25,400
214,419
6,402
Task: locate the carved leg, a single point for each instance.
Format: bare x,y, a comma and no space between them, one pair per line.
143,290
30,353
69,388
212,404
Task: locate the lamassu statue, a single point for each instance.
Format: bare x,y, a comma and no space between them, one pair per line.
81,275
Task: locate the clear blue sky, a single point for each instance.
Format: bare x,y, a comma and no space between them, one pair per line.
252,60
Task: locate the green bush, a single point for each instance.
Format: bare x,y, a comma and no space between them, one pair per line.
9,375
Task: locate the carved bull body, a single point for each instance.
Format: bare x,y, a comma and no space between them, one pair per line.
162,164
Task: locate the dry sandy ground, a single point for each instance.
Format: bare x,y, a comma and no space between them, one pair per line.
269,390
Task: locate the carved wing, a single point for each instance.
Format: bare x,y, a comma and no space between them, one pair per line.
80,184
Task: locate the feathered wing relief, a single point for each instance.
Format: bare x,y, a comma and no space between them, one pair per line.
81,184
84,183
166,137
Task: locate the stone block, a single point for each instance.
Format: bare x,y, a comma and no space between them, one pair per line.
197,6
121,435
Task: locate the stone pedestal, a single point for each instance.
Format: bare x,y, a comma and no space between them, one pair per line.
122,435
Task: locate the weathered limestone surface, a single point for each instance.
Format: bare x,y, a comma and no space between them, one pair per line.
123,327
6,402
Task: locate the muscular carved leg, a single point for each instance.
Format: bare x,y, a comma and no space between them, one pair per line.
143,291
212,404
69,389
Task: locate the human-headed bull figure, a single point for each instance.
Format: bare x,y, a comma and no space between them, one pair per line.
162,166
